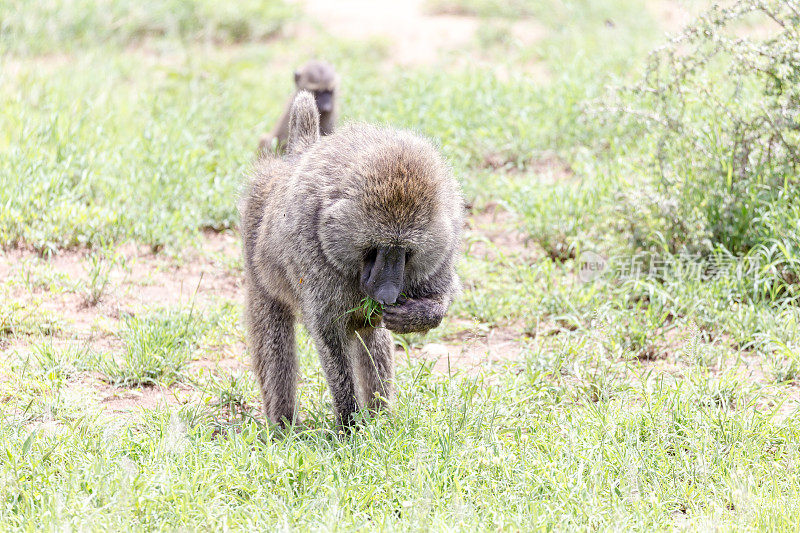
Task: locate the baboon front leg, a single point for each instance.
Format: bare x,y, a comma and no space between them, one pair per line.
373,359
272,344
331,345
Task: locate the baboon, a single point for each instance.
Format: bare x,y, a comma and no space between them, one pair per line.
321,80
366,211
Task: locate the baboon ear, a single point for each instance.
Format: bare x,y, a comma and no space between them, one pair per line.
296,77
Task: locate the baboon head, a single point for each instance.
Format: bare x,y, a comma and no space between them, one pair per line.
321,80
398,219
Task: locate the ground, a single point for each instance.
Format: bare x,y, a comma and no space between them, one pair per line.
544,401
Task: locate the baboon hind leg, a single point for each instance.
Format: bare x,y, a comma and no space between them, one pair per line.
374,363
272,344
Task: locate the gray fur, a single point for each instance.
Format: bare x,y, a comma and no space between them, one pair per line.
303,124
307,221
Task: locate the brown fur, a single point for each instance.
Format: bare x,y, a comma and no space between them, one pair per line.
314,76
308,220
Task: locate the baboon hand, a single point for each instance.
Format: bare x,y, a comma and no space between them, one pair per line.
413,314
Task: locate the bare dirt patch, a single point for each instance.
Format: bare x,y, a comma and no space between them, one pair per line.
90,390
493,234
470,352
117,400
202,276
548,168
415,38
137,278
672,15
138,281
228,365
43,64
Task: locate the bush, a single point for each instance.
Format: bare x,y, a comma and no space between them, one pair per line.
724,110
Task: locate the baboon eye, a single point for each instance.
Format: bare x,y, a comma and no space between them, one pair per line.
370,255
409,254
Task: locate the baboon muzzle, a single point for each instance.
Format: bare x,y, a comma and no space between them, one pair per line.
324,101
382,273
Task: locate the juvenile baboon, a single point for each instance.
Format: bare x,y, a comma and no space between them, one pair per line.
366,211
318,78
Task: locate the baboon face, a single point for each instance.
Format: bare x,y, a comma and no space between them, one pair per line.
384,261
391,260
383,273
320,79
396,223
324,100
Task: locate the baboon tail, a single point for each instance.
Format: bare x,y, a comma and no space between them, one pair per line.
303,123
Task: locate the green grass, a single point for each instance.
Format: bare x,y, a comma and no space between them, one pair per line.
659,402
156,350
369,308
532,451
58,26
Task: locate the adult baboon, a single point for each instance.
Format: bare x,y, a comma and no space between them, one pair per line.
366,211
